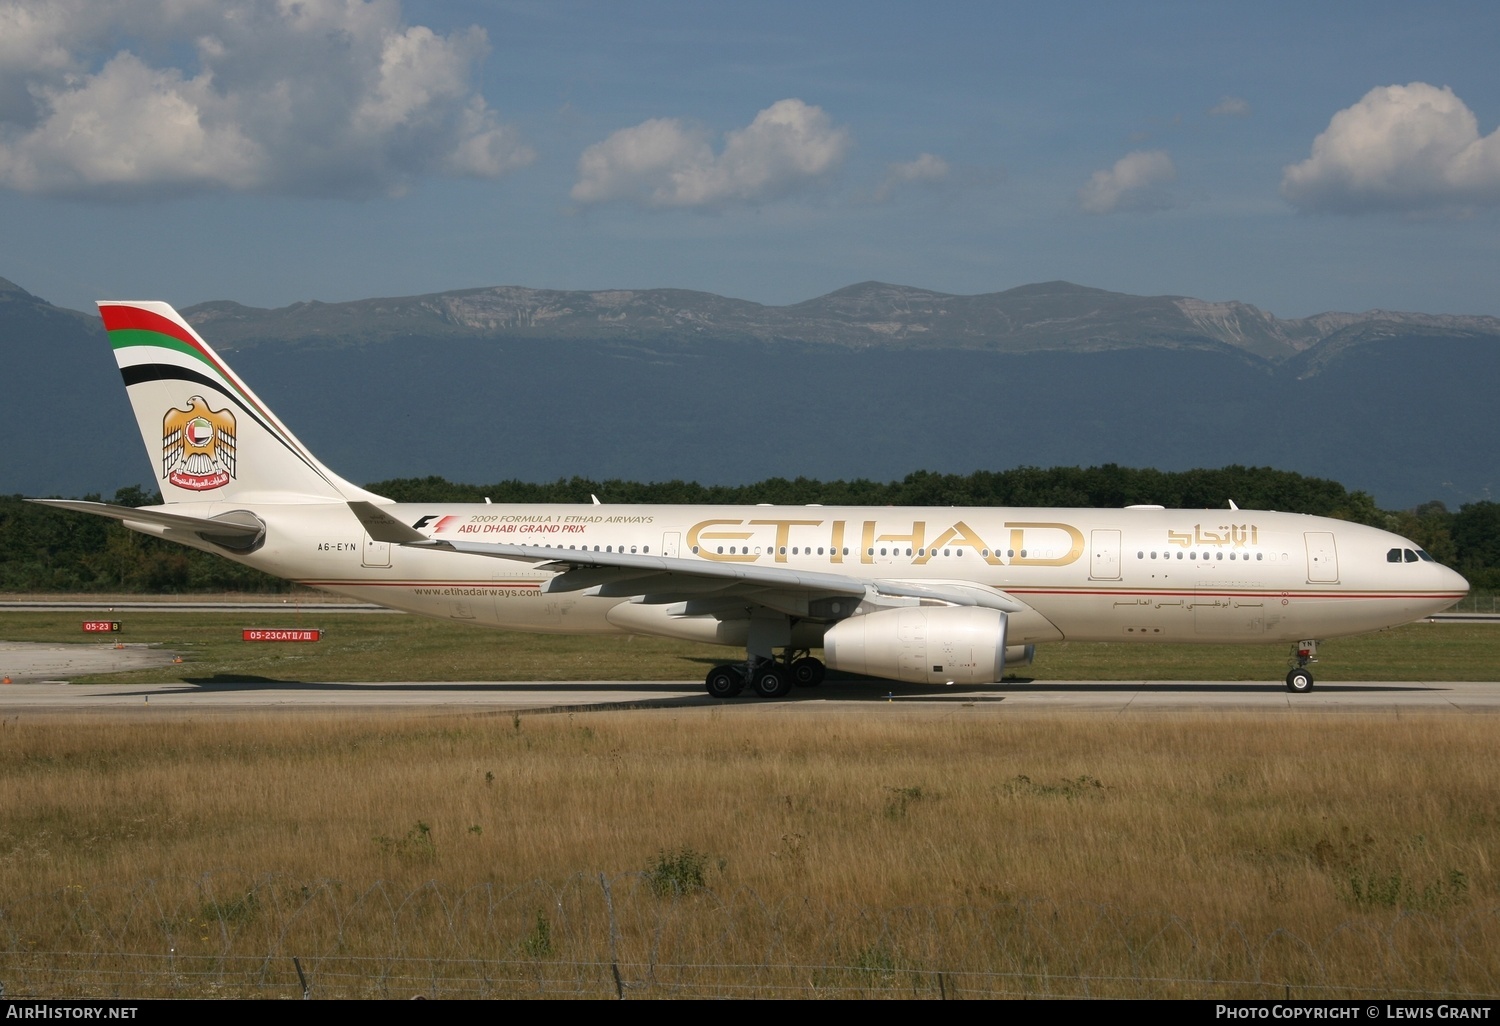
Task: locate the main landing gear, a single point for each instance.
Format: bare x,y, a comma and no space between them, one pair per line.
767,677
1299,680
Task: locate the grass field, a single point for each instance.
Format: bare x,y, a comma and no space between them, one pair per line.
758,851
378,647
693,852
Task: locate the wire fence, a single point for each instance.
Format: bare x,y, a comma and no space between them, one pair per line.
1485,602
638,935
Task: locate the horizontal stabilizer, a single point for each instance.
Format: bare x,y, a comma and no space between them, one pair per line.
238,530
175,521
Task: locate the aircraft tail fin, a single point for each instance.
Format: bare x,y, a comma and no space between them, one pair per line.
207,434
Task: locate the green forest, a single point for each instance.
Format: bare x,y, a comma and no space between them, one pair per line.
45,550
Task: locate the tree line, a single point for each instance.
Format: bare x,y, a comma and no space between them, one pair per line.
48,550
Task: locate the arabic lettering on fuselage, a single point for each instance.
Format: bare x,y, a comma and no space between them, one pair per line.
1239,536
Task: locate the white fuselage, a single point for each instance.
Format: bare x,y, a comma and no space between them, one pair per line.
1139,574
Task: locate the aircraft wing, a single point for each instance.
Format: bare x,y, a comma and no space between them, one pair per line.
660,579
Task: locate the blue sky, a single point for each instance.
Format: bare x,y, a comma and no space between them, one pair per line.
1299,157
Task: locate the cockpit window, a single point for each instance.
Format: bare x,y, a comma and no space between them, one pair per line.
1393,556
1422,554
1411,556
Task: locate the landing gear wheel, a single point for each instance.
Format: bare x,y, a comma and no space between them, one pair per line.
1299,681
724,682
771,681
807,672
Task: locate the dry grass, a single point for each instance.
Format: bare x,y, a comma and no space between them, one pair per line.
1338,853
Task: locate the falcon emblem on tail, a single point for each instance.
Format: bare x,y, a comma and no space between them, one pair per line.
197,446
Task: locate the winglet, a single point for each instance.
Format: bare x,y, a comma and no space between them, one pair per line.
383,527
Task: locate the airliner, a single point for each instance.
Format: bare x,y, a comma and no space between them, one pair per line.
925,595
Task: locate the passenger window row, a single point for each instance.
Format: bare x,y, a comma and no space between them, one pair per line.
1142,554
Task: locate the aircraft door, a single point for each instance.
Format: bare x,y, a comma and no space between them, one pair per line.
670,542
376,553
1104,563
1322,558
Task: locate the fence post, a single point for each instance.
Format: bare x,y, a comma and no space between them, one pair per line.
614,955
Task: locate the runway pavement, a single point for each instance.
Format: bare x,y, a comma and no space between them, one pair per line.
38,675
1113,697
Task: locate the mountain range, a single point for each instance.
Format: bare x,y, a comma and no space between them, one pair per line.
873,380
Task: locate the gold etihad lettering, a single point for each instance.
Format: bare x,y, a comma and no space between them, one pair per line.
783,529
1026,557
707,537
871,539
699,540
964,537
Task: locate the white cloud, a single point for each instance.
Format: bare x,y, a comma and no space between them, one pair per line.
316,97
640,163
664,163
927,169
129,125
1134,183
31,47
1411,148
1230,107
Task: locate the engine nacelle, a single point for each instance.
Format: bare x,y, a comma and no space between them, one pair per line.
921,645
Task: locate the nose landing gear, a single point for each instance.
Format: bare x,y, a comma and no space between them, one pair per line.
1299,680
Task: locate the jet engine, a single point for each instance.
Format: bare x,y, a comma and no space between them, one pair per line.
921,644
1019,655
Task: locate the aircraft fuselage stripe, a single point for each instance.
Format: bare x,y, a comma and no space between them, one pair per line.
359,583
1060,592
1231,593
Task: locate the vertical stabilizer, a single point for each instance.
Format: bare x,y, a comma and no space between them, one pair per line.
209,437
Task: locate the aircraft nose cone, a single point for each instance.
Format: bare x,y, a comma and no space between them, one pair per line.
1455,580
